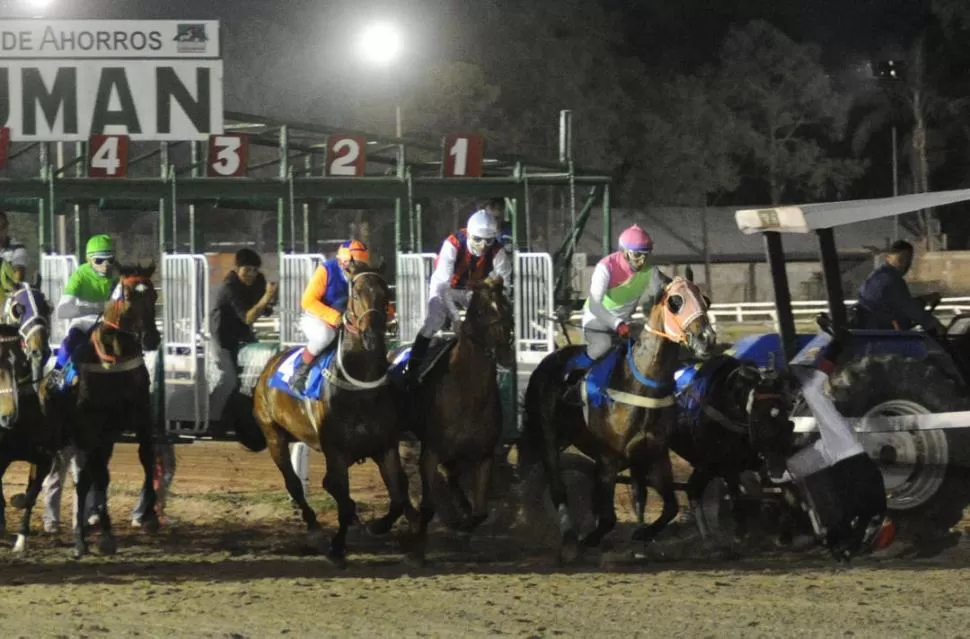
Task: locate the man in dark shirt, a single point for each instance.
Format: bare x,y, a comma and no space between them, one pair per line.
243,298
885,298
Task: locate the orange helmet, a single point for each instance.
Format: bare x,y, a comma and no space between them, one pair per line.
353,250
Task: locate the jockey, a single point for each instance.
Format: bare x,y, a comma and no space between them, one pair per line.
86,292
324,302
466,258
618,284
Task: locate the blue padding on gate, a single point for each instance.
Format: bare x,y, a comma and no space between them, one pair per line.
315,383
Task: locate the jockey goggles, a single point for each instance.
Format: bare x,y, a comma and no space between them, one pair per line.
487,241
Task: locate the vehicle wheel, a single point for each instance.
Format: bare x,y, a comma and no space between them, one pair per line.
926,473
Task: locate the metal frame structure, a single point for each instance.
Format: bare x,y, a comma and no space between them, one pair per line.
284,173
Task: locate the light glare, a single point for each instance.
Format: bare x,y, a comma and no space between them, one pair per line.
380,43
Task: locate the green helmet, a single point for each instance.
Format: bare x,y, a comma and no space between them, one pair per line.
100,246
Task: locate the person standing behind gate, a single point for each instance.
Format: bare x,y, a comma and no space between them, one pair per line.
243,298
12,252
324,302
466,258
496,208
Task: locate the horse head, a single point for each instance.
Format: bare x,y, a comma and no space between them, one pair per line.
12,364
489,321
132,308
28,309
681,316
768,397
367,306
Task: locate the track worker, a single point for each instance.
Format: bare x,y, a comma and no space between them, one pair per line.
885,300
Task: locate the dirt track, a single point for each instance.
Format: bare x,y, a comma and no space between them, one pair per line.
233,564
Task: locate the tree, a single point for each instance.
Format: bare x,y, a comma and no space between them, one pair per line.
784,103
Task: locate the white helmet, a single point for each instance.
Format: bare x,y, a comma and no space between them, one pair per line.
482,230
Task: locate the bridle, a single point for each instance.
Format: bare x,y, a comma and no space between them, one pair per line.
351,324
114,317
37,320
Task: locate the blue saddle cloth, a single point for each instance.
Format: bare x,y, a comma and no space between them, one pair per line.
597,380
315,382
402,359
693,386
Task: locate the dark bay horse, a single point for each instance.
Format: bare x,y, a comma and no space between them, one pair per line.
632,430
732,417
355,420
24,433
111,396
456,411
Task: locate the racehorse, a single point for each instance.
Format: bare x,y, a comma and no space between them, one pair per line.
355,419
732,417
111,396
24,433
456,411
628,428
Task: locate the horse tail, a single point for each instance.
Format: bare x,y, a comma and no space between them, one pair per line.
531,445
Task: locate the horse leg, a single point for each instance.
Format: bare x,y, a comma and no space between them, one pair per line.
603,503
146,455
428,466
38,473
698,481
737,509
396,481
279,450
81,489
458,495
638,482
661,477
4,463
483,476
337,483
101,477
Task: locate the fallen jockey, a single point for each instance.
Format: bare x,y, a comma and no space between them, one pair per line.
466,258
621,282
83,300
324,303
841,483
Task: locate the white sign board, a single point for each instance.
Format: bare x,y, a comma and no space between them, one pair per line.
62,100
73,39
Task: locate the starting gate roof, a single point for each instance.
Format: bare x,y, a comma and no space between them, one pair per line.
805,218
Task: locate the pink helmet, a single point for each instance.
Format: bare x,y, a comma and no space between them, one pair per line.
636,239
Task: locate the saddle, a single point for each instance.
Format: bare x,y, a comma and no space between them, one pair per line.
316,379
401,358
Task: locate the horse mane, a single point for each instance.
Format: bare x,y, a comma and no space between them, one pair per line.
136,270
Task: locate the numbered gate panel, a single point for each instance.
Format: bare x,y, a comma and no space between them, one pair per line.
186,334
346,156
108,156
463,156
228,155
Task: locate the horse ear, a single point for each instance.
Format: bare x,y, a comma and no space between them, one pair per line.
496,283
150,269
689,274
38,280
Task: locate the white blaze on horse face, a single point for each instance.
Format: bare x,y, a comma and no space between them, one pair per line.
691,308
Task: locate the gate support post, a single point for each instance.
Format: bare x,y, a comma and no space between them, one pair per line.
779,280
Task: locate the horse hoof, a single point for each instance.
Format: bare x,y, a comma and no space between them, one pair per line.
337,558
148,524
80,550
569,551
20,546
19,501
640,534
107,545
379,527
317,539
416,558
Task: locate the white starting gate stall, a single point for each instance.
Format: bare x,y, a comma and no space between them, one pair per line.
186,340
54,273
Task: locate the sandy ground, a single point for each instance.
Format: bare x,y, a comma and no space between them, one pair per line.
233,563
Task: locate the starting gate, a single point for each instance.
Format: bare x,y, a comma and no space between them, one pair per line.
54,273
186,334
534,301
295,273
411,298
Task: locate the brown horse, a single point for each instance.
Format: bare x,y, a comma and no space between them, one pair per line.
456,412
111,396
629,430
355,419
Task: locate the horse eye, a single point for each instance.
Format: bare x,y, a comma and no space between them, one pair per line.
675,303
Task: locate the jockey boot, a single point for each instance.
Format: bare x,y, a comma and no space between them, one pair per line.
574,375
302,371
418,351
